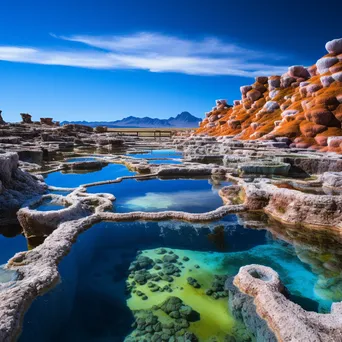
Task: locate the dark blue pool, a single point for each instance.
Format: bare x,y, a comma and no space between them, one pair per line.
70,180
91,304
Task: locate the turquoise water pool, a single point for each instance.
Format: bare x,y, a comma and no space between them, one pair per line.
95,300
92,303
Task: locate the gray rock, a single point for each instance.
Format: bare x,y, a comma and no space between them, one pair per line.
334,46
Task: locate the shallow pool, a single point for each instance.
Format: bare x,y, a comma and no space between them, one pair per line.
163,161
71,180
92,302
48,205
103,293
80,159
157,154
190,195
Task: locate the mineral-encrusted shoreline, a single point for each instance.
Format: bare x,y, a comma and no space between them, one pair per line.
296,186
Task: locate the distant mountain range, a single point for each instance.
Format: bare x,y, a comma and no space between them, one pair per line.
182,120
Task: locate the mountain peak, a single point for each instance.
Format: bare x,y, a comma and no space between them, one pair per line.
186,116
182,120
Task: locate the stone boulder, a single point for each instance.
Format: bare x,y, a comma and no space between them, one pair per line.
312,70
254,95
337,76
312,88
245,89
298,71
334,46
327,80
323,64
273,82
320,116
271,106
261,79
259,86
287,80
221,103
289,112
273,93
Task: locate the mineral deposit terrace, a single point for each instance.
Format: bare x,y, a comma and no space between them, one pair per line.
287,168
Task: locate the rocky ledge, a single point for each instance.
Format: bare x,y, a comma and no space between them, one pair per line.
16,186
36,270
258,296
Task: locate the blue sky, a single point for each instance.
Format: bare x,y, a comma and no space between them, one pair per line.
107,59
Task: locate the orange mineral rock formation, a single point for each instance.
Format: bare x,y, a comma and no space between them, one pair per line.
304,104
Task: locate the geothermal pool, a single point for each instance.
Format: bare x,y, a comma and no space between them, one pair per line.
92,302
156,154
71,180
120,273
190,195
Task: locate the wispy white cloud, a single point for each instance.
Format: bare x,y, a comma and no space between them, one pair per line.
153,52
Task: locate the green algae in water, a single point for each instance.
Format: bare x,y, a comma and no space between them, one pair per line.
92,303
215,320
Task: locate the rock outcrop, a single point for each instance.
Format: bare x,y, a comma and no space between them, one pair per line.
46,121
26,118
261,298
16,186
2,121
304,105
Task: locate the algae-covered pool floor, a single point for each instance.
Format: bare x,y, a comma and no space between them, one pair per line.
215,319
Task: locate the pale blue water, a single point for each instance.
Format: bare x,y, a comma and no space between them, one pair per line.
47,205
59,192
189,195
69,180
80,159
157,154
90,303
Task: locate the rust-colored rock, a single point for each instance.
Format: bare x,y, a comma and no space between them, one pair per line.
320,116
